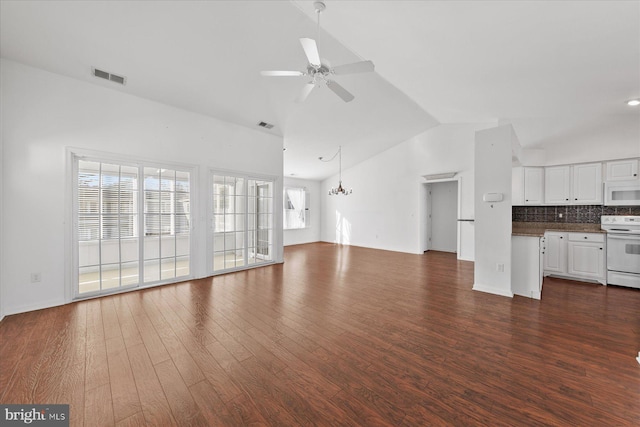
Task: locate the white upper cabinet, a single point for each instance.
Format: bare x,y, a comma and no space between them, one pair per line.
575,184
557,185
533,186
622,170
587,184
527,186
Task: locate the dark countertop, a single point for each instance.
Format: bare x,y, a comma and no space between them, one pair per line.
537,229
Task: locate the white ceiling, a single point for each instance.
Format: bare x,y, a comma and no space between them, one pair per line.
558,71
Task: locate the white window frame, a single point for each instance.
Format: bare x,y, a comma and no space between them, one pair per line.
304,209
210,220
74,155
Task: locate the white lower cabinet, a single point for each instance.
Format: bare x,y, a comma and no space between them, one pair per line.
575,255
555,252
586,255
526,266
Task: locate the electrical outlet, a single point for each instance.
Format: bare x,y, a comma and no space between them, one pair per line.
500,267
559,215
36,277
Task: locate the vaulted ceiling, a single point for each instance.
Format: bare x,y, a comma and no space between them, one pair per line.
560,72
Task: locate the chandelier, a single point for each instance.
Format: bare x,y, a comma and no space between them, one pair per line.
339,189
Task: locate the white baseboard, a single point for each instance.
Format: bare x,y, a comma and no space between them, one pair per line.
32,307
492,290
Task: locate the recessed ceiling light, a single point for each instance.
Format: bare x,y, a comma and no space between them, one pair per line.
633,102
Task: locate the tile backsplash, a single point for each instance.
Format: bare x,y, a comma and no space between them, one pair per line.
589,214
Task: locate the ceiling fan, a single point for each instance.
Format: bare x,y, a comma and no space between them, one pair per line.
321,73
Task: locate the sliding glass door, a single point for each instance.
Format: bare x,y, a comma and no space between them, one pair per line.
132,225
242,222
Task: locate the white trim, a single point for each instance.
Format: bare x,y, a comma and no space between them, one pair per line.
85,154
424,209
492,290
74,155
39,306
276,218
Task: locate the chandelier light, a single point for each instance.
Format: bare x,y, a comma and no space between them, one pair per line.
339,189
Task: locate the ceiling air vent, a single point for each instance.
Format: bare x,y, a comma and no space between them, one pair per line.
265,125
108,76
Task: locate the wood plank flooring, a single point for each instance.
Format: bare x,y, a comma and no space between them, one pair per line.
339,336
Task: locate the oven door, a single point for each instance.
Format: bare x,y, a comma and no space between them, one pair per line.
623,253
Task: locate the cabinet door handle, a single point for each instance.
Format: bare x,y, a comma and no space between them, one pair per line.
585,237
575,198
566,199
561,237
600,248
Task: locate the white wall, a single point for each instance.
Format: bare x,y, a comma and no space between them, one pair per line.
590,152
388,206
493,219
312,232
1,210
43,114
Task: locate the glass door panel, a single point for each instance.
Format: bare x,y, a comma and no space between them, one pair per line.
241,221
106,218
111,200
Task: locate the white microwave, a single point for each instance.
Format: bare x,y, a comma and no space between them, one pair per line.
622,193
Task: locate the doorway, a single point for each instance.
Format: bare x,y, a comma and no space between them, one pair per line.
442,216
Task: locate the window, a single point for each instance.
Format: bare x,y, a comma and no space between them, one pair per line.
113,209
295,210
107,197
166,202
242,221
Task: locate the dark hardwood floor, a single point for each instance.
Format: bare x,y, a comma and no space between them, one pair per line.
335,336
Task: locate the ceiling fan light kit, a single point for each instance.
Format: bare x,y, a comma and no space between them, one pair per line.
319,72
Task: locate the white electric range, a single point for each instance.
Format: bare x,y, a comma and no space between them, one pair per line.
623,249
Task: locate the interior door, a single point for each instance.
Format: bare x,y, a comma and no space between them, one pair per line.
444,221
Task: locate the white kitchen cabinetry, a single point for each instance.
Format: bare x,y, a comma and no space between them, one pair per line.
557,185
587,184
622,170
526,266
575,184
527,186
586,256
555,253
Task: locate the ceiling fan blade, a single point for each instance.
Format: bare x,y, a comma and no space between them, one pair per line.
356,67
282,73
340,91
306,90
311,50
